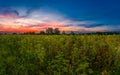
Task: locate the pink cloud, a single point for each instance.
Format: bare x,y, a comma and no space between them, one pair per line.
9,16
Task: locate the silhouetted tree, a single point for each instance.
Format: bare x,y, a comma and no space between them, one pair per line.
32,33
49,31
29,33
72,33
42,32
56,31
63,32
14,33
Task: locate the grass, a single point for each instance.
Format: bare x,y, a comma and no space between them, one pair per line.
59,55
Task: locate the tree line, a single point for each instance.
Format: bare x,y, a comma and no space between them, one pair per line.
56,31
51,31
48,31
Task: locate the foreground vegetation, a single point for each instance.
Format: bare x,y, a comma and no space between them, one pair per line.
59,55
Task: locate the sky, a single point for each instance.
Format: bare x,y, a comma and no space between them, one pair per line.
67,15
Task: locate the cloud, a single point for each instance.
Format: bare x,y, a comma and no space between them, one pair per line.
7,11
23,19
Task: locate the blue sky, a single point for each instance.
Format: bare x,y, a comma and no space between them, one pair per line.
76,15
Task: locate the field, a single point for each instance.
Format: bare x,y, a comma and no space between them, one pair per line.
59,54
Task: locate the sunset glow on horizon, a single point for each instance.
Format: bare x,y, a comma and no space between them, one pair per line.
36,16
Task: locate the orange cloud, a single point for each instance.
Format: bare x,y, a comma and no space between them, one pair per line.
10,28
